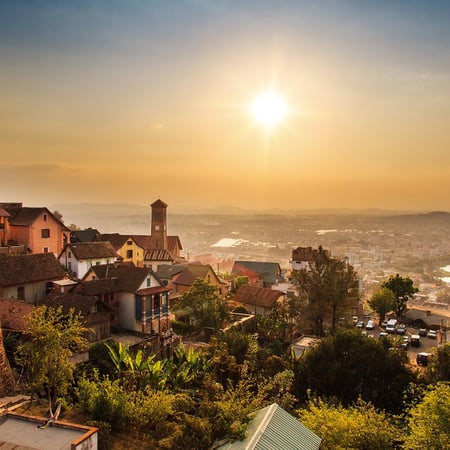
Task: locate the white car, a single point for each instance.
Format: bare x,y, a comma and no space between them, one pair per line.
370,325
432,334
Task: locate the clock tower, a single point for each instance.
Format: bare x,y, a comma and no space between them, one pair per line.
158,234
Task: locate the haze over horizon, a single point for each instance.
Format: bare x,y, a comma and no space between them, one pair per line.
130,101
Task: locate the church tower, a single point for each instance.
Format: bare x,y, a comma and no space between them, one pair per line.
158,235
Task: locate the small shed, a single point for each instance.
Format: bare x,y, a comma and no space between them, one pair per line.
273,428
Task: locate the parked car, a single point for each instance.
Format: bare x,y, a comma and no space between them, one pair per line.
391,325
423,332
415,340
405,342
401,329
382,335
423,358
432,334
360,324
370,325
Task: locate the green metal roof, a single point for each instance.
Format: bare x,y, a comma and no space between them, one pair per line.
274,429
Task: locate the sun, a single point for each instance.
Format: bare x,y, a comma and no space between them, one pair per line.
268,109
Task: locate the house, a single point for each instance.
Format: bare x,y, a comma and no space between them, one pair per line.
86,235
180,277
29,277
136,295
80,257
303,257
256,300
259,274
19,431
37,229
97,315
274,428
125,246
4,227
303,344
14,314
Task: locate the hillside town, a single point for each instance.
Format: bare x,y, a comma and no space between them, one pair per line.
134,290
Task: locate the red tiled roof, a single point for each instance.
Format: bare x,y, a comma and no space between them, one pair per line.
127,276
26,216
153,290
92,250
117,240
14,314
23,269
142,240
252,295
78,302
173,243
158,255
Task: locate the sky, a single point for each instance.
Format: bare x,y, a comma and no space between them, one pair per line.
108,101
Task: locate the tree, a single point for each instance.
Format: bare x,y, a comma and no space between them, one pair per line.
202,306
403,289
438,369
382,302
6,375
327,285
429,421
49,341
350,365
360,426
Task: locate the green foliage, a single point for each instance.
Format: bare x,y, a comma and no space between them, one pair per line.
350,365
180,328
358,427
382,301
138,371
201,306
240,281
278,388
429,421
49,342
403,289
104,401
237,344
438,368
99,356
327,285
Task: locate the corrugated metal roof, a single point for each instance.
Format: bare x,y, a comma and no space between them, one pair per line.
275,429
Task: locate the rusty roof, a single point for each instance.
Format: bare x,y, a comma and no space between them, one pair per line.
252,295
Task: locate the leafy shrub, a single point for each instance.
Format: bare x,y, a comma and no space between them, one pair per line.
181,328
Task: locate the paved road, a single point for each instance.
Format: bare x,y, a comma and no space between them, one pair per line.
426,343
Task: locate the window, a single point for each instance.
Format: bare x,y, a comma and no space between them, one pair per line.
129,253
45,233
45,249
93,309
148,282
129,242
69,254
45,217
20,292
